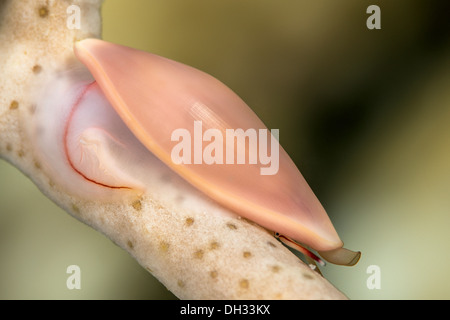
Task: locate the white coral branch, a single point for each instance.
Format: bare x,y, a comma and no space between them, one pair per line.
196,248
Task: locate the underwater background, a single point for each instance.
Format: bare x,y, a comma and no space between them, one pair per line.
365,115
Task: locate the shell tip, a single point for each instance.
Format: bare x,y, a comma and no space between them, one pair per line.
341,256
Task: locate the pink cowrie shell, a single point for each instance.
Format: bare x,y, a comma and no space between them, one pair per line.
155,96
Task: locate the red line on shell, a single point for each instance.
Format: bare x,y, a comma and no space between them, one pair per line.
300,248
66,132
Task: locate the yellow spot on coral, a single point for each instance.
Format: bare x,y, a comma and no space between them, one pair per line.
164,246
36,69
271,244
189,221
276,269
214,245
9,147
244,284
232,226
75,209
214,274
247,254
181,283
198,254
278,296
37,165
43,12
130,244
307,276
137,205
20,153
14,105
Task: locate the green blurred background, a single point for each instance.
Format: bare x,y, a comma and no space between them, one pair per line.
365,114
